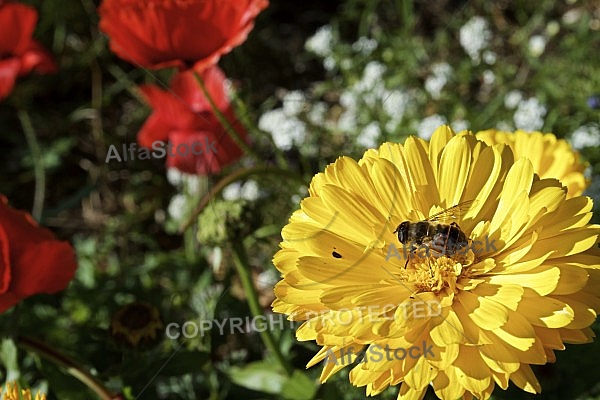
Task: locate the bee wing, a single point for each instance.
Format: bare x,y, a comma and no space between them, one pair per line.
453,212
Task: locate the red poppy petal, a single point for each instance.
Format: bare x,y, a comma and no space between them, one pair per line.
171,109
158,34
32,274
217,152
186,85
142,35
248,11
29,273
37,58
20,226
194,141
7,300
4,261
17,23
154,129
9,70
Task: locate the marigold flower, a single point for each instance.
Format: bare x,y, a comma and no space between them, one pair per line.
19,53
184,116
551,157
32,260
498,308
12,393
177,33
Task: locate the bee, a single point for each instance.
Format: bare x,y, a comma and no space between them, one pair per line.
433,235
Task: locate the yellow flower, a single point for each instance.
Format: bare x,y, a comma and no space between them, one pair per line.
12,393
527,282
551,157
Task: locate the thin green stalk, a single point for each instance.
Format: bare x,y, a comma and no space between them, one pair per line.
223,120
241,264
189,236
38,165
406,10
43,350
243,116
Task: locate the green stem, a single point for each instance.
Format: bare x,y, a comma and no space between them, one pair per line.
239,174
223,120
241,265
189,236
38,165
406,10
43,350
255,132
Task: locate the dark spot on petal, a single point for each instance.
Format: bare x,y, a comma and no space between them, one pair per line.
336,254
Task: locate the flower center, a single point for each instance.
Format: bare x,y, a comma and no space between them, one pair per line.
434,274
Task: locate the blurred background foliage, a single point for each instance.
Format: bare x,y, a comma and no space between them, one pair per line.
320,79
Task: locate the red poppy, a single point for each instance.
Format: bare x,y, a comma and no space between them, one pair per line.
32,260
177,33
184,117
19,53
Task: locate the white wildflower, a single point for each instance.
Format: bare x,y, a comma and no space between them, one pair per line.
504,126
460,125
321,42
192,183
374,95
347,121
177,207
372,74
585,136
489,57
247,191
271,120
572,16
286,131
293,102
292,132
369,135
530,115
537,45
174,176
395,103
512,99
488,77
250,191
329,63
474,37
349,100
232,191
317,112
429,125
364,45
266,280
436,82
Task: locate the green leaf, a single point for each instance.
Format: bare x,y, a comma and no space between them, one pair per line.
8,356
260,375
299,387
